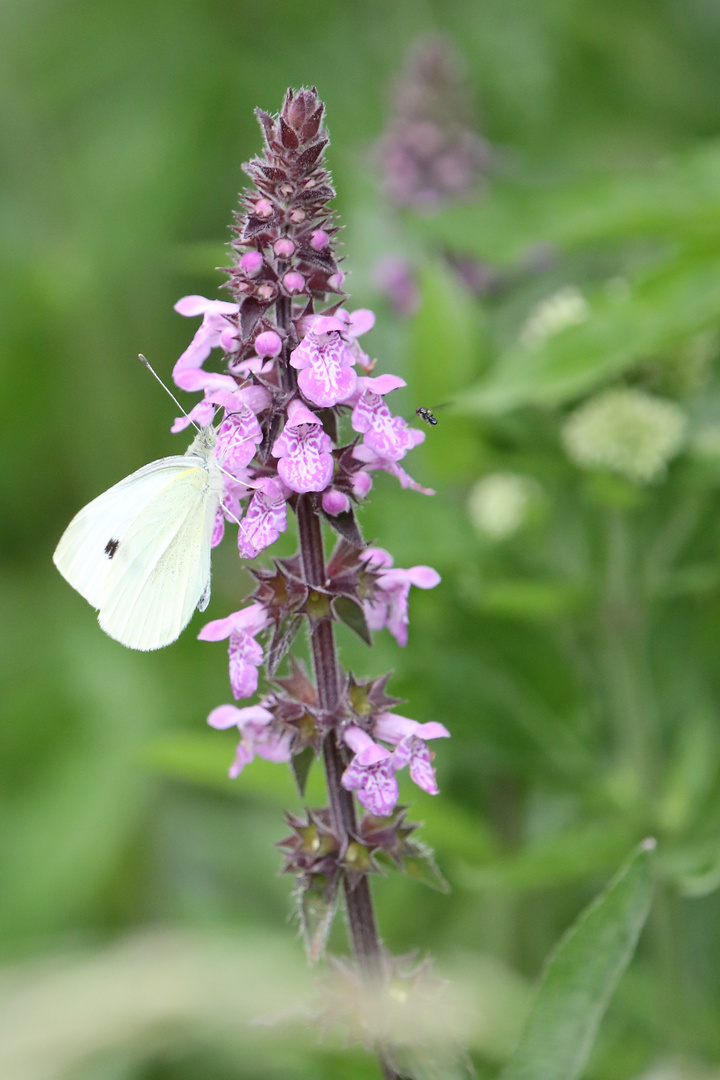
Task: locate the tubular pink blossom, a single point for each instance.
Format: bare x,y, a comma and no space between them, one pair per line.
265,519
207,337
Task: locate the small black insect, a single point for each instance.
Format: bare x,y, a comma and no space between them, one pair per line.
111,547
426,415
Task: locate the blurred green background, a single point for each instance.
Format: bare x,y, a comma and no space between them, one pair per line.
572,648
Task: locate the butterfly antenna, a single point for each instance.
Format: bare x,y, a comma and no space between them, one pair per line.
152,371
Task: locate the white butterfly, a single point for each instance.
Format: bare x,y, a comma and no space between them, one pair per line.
140,552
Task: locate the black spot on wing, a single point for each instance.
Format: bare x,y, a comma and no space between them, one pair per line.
111,547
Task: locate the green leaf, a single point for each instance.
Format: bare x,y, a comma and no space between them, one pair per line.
203,758
352,615
581,977
447,353
301,764
680,200
663,306
573,855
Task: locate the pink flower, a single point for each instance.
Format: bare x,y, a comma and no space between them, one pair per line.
374,461
265,519
371,773
215,332
410,749
372,770
258,737
245,653
303,448
386,435
389,604
238,437
325,362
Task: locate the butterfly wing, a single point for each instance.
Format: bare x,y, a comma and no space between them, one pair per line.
160,571
93,537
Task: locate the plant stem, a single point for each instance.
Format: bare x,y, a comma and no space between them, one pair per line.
358,900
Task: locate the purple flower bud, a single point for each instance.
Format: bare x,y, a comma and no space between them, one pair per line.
267,291
294,282
251,262
335,502
264,208
335,282
284,247
319,240
268,344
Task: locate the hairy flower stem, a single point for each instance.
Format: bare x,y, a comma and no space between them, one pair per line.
358,900
361,917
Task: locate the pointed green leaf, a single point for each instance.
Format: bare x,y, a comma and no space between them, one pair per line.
581,976
352,615
301,764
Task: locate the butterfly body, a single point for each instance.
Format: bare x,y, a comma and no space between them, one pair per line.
140,552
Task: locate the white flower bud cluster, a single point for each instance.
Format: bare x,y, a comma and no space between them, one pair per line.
500,503
627,431
566,307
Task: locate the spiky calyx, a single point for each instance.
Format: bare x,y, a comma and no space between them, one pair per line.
285,231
